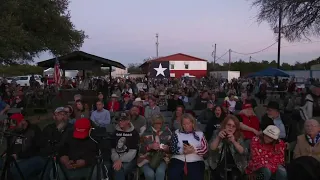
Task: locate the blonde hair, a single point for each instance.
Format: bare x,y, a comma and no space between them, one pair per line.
156,117
190,118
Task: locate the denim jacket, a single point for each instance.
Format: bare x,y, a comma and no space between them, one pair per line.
239,159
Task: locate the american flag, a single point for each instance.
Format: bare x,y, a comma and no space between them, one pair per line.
57,77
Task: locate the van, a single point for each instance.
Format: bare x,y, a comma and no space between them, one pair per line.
25,80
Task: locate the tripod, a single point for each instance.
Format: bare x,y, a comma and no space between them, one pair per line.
53,159
9,160
101,168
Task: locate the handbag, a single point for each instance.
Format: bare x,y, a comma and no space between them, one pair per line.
156,159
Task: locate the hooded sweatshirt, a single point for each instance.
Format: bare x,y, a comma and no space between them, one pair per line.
125,144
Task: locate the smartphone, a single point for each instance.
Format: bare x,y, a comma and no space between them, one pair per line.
185,142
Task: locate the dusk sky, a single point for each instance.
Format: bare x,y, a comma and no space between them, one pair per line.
125,31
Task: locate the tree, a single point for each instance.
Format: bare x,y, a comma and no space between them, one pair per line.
30,27
134,68
300,18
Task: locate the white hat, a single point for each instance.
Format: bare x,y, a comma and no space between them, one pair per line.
272,131
138,99
161,94
114,96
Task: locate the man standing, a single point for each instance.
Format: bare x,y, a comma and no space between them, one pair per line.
101,116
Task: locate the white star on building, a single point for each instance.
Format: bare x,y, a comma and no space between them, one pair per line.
160,70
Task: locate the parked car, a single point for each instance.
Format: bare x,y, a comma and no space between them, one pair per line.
25,80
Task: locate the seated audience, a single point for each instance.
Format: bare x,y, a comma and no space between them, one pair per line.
126,104
177,117
250,124
81,111
77,154
188,146
18,103
214,124
54,136
228,151
207,114
138,102
230,103
154,150
308,144
113,105
24,150
100,117
288,128
201,101
124,148
174,102
102,99
267,155
152,108
4,107
139,122
69,111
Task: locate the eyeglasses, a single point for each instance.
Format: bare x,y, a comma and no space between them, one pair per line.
231,126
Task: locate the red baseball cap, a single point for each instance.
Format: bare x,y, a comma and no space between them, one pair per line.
81,128
246,106
17,118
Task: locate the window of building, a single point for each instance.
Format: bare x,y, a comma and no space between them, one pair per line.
186,66
171,66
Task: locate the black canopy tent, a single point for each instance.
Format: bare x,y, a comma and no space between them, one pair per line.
79,60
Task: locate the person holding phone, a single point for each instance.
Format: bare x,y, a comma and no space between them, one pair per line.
228,146
188,146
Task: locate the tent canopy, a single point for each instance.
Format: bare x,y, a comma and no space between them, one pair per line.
270,72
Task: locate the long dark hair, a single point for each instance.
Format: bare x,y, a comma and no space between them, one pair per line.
223,114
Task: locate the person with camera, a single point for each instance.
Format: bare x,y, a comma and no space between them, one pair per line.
77,154
229,153
124,147
154,150
188,146
267,155
25,147
54,136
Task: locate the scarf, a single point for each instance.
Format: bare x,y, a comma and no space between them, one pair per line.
314,141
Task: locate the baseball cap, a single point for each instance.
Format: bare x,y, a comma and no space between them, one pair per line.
124,117
272,131
246,106
15,120
81,128
273,105
126,96
60,109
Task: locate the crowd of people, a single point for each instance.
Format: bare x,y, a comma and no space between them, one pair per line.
176,129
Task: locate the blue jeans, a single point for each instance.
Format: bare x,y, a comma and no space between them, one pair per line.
125,170
150,174
30,167
280,174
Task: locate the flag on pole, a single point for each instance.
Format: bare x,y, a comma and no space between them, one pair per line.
57,77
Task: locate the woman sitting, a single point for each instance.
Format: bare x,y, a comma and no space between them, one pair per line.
229,153
177,117
308,144
188,146
267,155
154,149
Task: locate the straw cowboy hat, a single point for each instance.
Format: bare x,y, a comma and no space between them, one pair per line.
114,96
138,100
161,94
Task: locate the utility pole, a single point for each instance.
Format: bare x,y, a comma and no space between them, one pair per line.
229,59
157,45
250,59
214,54
279,36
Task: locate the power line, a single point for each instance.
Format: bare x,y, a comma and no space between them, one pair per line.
256,51
301,44
222,55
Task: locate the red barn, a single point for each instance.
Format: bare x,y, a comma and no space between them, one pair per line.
182,65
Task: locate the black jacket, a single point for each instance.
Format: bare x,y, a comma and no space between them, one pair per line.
52,139
206,116
172,104
76,149
29,145
289,124
212,126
